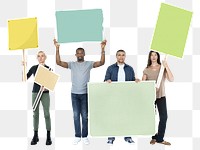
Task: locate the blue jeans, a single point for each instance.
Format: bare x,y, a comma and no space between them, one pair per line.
80,108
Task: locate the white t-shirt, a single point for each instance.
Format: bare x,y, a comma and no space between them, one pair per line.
121,73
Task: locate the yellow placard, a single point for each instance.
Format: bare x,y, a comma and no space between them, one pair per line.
45,77
22,33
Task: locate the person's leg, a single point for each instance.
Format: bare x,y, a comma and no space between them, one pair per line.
84,114
45,99
76,114
35,120
154,137
162,109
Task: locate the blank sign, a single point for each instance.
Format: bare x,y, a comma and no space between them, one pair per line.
79,25
171,30
121,108
46,78
23,33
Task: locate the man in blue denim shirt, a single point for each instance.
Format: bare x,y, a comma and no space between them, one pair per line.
120,72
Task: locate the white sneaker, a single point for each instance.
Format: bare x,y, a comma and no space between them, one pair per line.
86,141
76,140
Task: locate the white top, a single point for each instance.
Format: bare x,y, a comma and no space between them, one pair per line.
121,73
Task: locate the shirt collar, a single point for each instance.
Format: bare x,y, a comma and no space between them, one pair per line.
125,65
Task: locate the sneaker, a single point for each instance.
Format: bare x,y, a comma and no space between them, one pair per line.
76,140
110,142
86,141
130,141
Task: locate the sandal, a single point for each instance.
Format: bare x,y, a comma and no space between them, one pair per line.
153,141
165,143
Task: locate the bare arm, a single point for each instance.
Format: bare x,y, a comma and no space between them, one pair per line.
144,77
102,60
169,74
58,60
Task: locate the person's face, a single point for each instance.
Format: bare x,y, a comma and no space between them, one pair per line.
41,57
80,55
154,57
121,57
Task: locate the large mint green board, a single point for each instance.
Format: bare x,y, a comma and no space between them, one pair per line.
79,25
121,108
171,30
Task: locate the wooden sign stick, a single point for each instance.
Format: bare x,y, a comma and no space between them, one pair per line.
24,78
160,76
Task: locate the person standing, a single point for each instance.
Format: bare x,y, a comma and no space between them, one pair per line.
151,72
45,100
80,74
120,72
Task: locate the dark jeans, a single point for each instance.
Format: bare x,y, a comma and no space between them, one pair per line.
80,108
113,138
162,110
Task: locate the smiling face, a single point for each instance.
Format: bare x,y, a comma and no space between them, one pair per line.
121,55
41,57
80,53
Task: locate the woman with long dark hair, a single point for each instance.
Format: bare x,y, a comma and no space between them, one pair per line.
151,72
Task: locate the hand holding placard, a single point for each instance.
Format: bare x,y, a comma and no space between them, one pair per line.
171,32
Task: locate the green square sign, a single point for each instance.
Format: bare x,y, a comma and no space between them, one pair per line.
122,108
171,30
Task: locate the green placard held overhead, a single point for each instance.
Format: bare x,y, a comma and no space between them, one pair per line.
171,30
79,25
121,108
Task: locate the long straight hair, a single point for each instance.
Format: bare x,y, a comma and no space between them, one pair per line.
149,58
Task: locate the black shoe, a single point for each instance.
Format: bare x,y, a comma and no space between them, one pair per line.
48,142
130,141
110,142
34,140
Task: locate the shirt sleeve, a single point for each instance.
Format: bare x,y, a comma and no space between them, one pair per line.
91,64
133,74
30,72
69,64
145,72
108,74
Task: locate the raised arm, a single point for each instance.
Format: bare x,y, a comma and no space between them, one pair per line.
58,60
102,60
169,74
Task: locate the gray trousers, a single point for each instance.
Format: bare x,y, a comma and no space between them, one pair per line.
45,100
